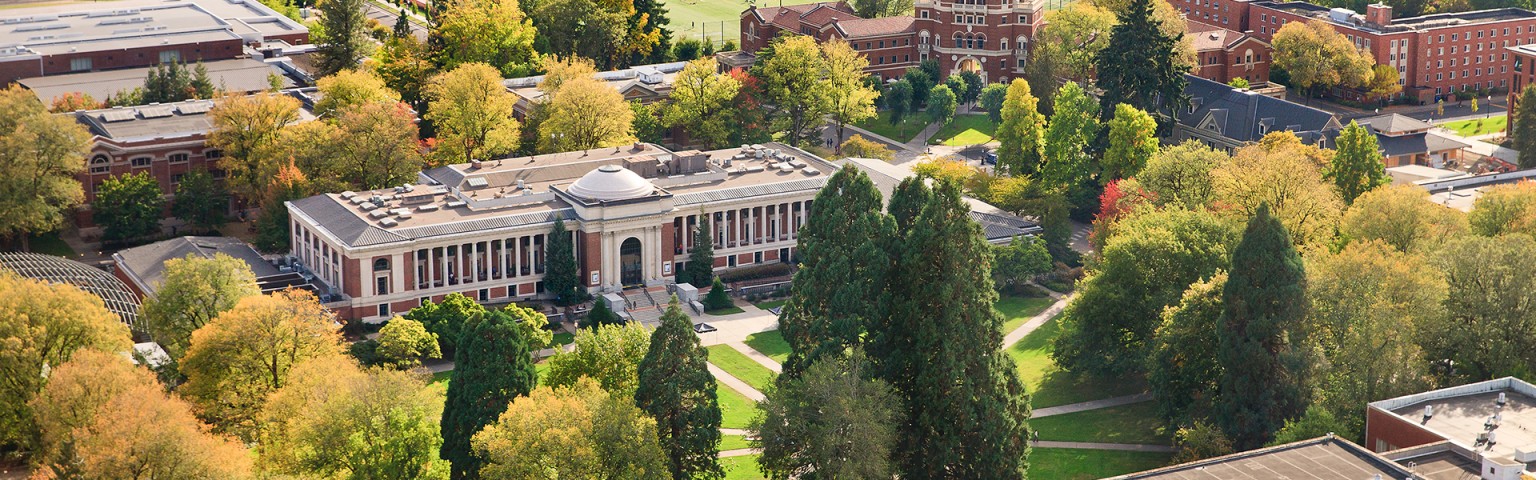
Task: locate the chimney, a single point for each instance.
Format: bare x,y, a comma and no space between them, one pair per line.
1378,14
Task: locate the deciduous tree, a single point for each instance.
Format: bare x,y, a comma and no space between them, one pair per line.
571,431
1020,261
992,98
1402,217
1505,209
1073,36
833,421
200,201
42,154
792,82
882,8
351,87
193,291
1181,175
1132,143
898,101
849,98
678,391
1356,166
128,206
447,319
859,147
1280,173
403,343
1021,135
1317,56
1182,369
376,146
1522,127
1074,125
345,41
1489,326
941,105
493,367
584,113
608,31
609,354
405,67
472,112
1262,343
248,351
491,32
702,102
601,314
243,124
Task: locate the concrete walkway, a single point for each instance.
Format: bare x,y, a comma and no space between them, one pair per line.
733,431
735,384
1123,447
757,356
1091,405
1036,321
740,452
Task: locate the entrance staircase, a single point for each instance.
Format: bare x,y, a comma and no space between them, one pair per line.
646,304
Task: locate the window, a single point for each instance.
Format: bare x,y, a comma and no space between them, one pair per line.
178,158
79,64
176,179
923,14
213,154
381,286
485,294
383,309
141,162
169,56
1023,18
882,44
101,164
381,265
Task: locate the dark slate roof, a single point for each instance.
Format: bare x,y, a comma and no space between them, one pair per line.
1242,115
341,223
1000,228
146,263
1394,123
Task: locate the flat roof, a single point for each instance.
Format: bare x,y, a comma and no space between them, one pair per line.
1323,458
1405,24
657,78
117,25
239,75
1461,414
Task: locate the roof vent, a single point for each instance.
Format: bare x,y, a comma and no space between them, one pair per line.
1503,399
1429,411
388,222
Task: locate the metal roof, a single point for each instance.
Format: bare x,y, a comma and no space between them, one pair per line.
118,298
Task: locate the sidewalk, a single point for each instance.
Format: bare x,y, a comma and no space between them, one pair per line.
1123,447
757,356
1036,321
735,384
1091,405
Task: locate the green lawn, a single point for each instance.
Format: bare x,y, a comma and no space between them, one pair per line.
965,130
901,132
1134,423
740,366
1017,310
697,18
736,410
770,304
1478,126
741,468
48,243
1073,464
1048,385
725,311
564,338
770,343
734,442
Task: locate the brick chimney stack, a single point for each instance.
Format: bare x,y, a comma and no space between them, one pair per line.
1379,14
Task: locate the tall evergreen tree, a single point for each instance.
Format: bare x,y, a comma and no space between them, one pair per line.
346,39
677,390
656,10
1141,65
701,261
965,410
1356,167
840,286
1522,127
402,25
562,277
907,202
1262,345
493,367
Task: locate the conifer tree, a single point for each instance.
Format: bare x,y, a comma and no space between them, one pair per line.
965,410
840,286
701,261
677,390
1356,167
562,276
1522,128
1261,340
1141,65
493,367
346,41
601,314
402,25
907,202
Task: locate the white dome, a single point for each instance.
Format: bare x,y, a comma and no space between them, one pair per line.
611,182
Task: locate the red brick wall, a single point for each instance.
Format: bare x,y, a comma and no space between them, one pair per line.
668,244
143,57
351,270
1396,431
122,155
1228,14
592,254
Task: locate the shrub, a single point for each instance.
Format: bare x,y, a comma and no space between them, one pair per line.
717,298
754,272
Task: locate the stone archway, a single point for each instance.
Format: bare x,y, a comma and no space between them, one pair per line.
631,266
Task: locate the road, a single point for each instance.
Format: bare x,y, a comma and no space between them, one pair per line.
387,18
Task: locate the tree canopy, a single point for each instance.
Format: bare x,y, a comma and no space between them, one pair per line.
494,366
473,113
193,291
128,206
678,391
42,154
571,431
1317,56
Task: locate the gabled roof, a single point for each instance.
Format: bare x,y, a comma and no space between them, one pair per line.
1246,116
873,27
824,14
1394,124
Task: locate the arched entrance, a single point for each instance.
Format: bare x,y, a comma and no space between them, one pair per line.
631,271
969,64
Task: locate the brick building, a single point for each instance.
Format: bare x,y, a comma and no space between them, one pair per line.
1479,430
1522,70
135,33
1435,55
1224,54
989,37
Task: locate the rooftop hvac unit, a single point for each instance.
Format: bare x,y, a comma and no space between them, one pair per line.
1503,399
1429,411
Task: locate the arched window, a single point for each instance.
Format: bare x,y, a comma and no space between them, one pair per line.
381,265
101,164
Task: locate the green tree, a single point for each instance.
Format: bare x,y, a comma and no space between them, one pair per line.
493,367
376,146
840,286
345,41
882,8
42,155
351,88
922,84
941,105
473,113
1403,217
338,421
1504,209
492,32
1316,56
655,16
1182,370
859,147
1070,41
1132,143
1021,135
571,431
717,298
1316,422
992,99
601,314
1284,174
1487,331
200,201
1142,65
898,101
792,82
678,391
1356,166
833,421
193,291
1522,128
1019,261
241,126
404,65
608,31
128,207
1239,83
1262,343
649,123
849,99
447,319
583,113
402,26
973,86
964,409
403,343
562,277
609,354
173,82
702,102
1144,267
701,260
273,228
1073,127
248,351
1200,441
44,324
1180,175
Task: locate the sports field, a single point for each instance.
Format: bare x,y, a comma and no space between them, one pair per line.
717,20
